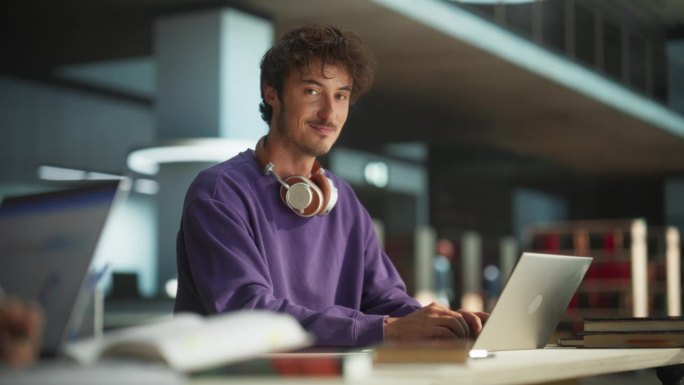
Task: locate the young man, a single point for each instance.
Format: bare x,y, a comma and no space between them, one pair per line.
269,229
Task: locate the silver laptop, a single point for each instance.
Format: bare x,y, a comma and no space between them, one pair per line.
47,243
532,302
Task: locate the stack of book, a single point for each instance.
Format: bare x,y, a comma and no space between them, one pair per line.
629,332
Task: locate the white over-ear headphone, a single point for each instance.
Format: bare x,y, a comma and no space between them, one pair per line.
315,195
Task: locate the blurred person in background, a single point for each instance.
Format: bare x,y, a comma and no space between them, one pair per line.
21,328
444,273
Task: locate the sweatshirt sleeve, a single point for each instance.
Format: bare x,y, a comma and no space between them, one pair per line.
224,269
384,290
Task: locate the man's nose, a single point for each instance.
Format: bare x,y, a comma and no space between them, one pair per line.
326,110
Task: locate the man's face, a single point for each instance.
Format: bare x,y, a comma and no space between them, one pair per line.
313,109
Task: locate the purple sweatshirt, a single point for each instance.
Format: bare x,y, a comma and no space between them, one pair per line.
240,247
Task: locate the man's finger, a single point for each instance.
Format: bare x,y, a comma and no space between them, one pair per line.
483,316
473,321
443,333
456,324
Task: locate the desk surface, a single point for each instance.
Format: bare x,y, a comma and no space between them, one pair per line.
503,368
534,366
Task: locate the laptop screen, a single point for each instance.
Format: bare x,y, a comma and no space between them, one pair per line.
47,242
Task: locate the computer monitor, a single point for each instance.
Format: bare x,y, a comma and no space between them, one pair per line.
47,244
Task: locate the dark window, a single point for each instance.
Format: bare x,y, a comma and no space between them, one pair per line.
519,18
612,50
584,36
659,71
553,24
483,10
637,62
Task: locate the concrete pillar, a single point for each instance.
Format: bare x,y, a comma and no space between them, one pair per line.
208,87
208,74
471,271
675,67
508,256
425,241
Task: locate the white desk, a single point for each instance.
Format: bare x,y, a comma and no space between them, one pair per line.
533,366
503,368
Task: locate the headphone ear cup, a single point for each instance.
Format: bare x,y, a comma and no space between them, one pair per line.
329,192
333,198
304,197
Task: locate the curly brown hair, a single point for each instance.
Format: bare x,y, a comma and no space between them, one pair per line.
316,42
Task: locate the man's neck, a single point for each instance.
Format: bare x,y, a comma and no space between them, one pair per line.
287,161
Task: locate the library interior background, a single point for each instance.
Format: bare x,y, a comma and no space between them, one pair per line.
492,129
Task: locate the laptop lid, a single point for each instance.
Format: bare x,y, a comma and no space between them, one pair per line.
47,243
532,302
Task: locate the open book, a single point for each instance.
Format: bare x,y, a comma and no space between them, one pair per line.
191,342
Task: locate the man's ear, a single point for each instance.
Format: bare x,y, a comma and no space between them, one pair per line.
270,95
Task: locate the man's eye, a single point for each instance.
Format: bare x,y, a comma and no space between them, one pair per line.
342,97
311,91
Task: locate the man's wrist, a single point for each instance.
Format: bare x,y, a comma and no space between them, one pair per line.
388,331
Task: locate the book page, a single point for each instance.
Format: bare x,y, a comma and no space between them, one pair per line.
233,337
190,342
88,351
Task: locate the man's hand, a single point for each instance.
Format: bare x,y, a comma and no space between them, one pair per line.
435,322
21,327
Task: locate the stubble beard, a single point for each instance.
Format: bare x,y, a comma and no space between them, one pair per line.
314,151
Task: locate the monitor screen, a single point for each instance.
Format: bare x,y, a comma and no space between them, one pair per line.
47,243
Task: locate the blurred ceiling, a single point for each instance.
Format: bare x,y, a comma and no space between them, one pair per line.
466,104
